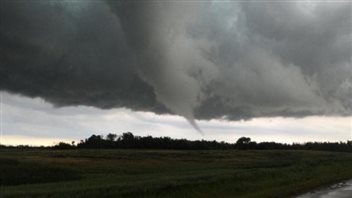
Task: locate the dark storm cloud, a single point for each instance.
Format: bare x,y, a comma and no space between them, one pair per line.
231,60
69,54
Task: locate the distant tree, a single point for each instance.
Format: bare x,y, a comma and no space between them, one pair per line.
128,136
94,141
349,143
243,142
111,137
63,145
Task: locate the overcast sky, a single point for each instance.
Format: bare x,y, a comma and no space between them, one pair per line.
271,70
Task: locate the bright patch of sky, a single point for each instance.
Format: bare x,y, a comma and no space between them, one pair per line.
35,122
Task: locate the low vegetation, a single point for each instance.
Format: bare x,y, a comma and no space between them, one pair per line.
16,172
167,173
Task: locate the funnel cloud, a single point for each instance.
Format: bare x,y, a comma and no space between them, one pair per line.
201,60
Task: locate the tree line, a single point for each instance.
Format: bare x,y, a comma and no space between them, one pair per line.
129,141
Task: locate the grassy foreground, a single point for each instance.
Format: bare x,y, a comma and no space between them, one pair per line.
161,173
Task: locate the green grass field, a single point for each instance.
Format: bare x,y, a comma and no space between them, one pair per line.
154,173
